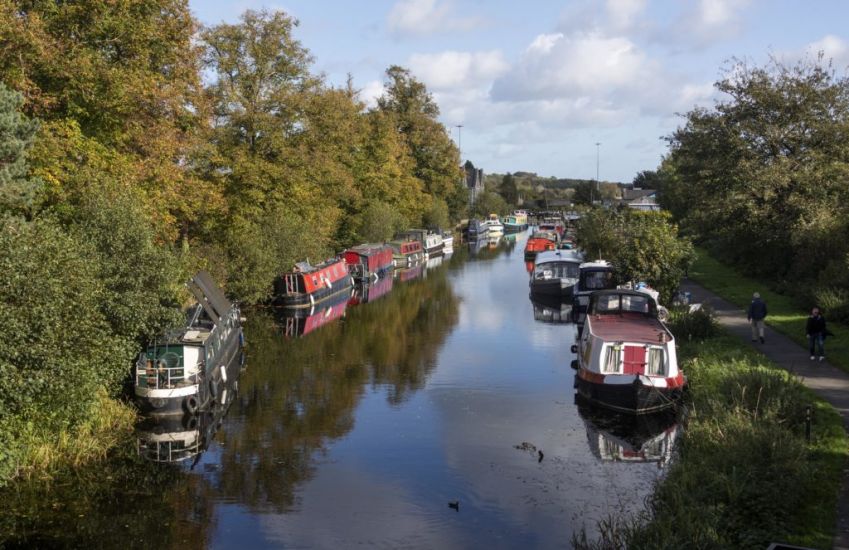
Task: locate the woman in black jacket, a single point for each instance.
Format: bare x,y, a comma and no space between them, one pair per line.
815,330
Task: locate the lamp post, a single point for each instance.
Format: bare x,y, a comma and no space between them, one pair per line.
597,187
460,140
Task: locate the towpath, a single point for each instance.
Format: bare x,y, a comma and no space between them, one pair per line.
829,382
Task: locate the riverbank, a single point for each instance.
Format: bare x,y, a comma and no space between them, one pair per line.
786,314
745,474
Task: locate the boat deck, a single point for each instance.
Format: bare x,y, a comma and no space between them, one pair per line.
627,327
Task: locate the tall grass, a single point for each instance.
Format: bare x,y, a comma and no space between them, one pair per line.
46,455
744,474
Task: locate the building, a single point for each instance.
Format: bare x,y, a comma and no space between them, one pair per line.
474,181
640,199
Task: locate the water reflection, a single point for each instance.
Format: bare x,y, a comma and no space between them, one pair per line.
629,438
295,323
370,291
551,309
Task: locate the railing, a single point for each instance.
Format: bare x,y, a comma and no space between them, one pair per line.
169,451
156,374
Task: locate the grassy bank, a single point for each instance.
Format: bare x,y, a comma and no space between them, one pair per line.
745,474
47,455
786,314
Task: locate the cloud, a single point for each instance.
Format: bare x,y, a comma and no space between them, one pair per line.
558,66
422,17
709,22
370,92
622,14
834,49
458,70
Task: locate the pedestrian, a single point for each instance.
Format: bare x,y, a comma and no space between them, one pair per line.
816,332
756,315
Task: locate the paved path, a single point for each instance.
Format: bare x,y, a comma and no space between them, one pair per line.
829,382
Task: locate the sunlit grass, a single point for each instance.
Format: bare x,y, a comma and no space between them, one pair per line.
786,314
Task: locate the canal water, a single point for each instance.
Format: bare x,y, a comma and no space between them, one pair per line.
436,411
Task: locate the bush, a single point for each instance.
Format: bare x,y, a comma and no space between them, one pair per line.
56,346
834,303
697,324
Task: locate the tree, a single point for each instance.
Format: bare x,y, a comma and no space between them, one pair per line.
437,159
17,190
647,179
508,190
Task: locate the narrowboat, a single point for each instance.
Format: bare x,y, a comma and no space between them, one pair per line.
554,225
476,230
295,323
368,261
447,242
307,285
431,241
556,272
406,252
626,356
494,226
182,371
369,292
540,241
515,222
175,438
596,275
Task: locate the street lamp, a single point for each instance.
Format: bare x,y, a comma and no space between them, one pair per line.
460,140
597,188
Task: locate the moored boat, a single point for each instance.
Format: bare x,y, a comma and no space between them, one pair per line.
182,371
494,226
540,241
447,242
406,252
432,242
514,223
595,275
627,360
307,285
556,272
368,261
476,230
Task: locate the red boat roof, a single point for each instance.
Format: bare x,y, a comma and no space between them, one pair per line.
628,327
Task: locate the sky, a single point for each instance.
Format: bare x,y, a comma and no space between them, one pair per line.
573,89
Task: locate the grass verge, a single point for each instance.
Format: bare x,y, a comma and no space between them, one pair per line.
786,315
745,475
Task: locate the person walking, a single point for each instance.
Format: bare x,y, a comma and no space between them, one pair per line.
816,332
756,315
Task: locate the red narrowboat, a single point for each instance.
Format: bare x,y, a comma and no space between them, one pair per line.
307,284
368,261
540,242
406,252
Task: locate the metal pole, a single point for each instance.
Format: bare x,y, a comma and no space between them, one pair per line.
597,188
460,141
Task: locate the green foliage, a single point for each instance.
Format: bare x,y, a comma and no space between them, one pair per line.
437,215
508,189
761,179
17,190
644,246
56,346
689,325
488,203
379,222
834,303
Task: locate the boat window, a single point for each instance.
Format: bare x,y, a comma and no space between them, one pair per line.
656,365
636,304
612,363
597,280
607,304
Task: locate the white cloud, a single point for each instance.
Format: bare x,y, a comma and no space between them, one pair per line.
420,17
709,22
622,13
454,70
834,49
557,66
370,92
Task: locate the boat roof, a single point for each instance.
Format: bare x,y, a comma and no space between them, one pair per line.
596,264
628,327
209,296
368,248
550,235
550,256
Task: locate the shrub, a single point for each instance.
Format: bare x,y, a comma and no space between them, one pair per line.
697,324
834,303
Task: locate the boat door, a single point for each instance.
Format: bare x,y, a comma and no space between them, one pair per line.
634,361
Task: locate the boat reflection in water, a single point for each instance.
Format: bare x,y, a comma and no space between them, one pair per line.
370,291
295,323
410,273
551,309
180,438
630,438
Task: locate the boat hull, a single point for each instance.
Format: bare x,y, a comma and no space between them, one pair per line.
305,300
514,228
634,398
553,287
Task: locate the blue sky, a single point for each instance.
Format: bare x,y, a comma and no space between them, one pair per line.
537,84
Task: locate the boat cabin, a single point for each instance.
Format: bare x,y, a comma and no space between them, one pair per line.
368,261
307,284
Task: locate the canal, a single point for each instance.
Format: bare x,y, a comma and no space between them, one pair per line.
439,414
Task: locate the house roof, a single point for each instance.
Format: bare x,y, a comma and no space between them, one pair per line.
632,194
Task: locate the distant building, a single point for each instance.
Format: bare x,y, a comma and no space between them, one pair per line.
640,199
474,181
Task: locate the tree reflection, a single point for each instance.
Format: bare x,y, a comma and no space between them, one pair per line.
303,393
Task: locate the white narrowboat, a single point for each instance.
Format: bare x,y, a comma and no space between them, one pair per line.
556,272
626,356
